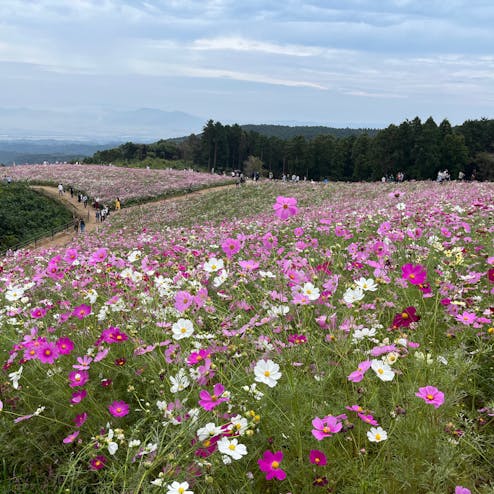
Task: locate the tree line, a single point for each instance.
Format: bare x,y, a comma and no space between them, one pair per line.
417,149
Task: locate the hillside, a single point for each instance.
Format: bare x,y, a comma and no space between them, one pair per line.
337,335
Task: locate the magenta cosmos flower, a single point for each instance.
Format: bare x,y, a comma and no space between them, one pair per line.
317,457
414,273
405,318
118,408
431,395
325,427
78,378
270,464
210,401
98,463
47,352
459,489
284,207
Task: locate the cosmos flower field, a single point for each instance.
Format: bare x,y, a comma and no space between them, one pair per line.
109,182
280,338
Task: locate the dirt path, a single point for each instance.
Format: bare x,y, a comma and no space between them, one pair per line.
64,238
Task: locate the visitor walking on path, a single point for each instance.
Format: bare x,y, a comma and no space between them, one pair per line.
82,224
60,189
117,204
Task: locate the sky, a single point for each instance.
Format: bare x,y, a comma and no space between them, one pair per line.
355,63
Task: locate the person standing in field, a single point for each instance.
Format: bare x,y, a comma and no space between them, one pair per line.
117,204
82,224
60,189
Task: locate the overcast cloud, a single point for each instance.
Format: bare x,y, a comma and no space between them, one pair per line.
339,63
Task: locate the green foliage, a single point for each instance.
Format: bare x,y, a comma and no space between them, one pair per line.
25,214
419,150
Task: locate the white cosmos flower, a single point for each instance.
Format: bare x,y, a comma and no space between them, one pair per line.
230,447
213,265
310,291
382,370
183,328
367,284
15,376
360,334
208,431
266,274
178,488
278,310
377,434
267,372
14,293
353,295
134,256
179,382
238,425
220,279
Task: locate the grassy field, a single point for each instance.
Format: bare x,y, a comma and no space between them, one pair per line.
279,338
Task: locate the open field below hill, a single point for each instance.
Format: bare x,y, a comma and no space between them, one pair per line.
272,338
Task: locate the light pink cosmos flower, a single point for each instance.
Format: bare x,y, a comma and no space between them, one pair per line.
231,246
270,464
118,408
71,437
431,395
285,207
358,375
99,256
414,273
183,300
325,427
459,489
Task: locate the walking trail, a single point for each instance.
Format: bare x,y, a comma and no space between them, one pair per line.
77,208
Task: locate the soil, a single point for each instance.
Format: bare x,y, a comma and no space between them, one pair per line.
78,210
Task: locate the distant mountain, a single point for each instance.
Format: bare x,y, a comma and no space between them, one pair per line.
307,131
21,151
144,124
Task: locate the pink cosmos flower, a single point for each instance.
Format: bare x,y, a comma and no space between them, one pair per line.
317,457
98,462
466,318
118,408
70,256
183,300
358,375
99,256
38,312
231,246
47,352
71,437
64,345
414,273
81,311
78,378
208,401
462,490
270,464
325,427
431,395
78,396
367,418
285,207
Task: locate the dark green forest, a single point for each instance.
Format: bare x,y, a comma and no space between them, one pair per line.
25,214
415,148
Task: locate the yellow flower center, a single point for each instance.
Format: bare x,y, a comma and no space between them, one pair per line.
267,373
378,437
275,465
430,397
231,447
